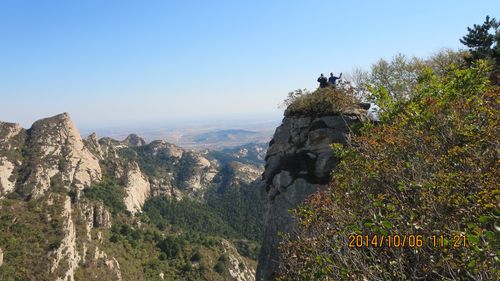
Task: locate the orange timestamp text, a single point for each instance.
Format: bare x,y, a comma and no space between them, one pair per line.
406,241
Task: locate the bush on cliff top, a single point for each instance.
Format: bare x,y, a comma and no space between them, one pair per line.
323,101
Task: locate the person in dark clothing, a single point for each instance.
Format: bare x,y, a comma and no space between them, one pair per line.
333,79
322,81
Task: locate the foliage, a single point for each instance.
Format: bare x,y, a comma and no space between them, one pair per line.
240,207
170,247
395,80
249,249
29,232
230,213
151,164
222,264
143,252
323,101
225,156
397,77
188,215
430,168
185,168
483,41
109,192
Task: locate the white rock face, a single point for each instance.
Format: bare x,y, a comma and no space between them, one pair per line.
6,169
165,149
10,145
246,273
245,173
201,174
58,149
115,267
1,257
112,263
95,215
92,144
9,131
137,188
67,251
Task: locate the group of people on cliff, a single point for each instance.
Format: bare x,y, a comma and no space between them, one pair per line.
332,80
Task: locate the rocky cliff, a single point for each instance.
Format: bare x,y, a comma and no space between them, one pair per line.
45,172
12,138
298,163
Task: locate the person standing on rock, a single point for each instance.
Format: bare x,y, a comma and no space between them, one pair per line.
333,79
322,81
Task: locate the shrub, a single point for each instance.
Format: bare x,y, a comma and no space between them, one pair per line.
170,247
196,256
54,245
323,101
109,192
188,266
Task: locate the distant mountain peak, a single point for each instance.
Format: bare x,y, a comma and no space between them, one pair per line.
134,140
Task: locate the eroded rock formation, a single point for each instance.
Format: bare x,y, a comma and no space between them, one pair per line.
298,163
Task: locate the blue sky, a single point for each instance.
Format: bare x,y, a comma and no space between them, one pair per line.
131,62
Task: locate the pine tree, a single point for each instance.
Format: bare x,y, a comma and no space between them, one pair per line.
483,41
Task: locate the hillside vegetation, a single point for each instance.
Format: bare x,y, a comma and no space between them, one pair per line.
429,170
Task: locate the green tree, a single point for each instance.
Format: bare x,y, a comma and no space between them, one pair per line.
170,247
398,77
483,40
395,80
109,192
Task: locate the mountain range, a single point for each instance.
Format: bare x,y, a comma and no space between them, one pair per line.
104,209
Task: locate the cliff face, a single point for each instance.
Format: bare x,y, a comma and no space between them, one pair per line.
298,163
57,156
12,138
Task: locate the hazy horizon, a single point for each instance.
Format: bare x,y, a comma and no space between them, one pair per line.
159,129
124,63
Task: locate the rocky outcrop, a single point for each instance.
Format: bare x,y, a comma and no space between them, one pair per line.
244,173
165,187
12,138
234,174
1,257
195,173
109,147
137,188
253,152
92,144
239,268
67,251
134,140
7,183
57,156
298,163
111,263
95,215
164,149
